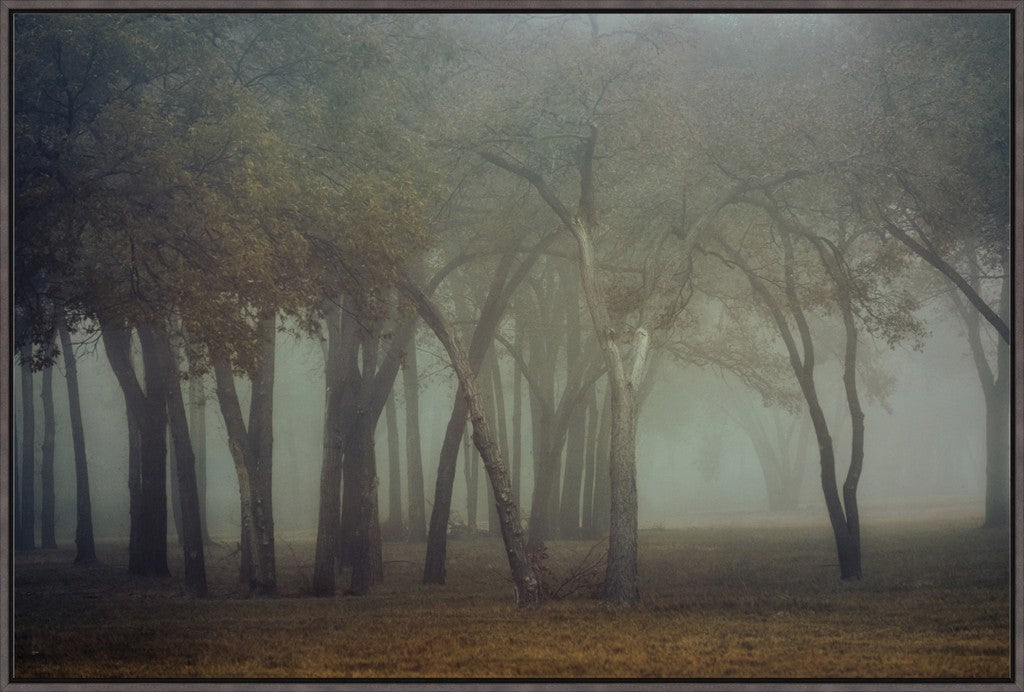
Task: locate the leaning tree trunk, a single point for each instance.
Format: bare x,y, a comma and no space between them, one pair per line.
46,524
525,579
589,468
172,485
26,530
85,545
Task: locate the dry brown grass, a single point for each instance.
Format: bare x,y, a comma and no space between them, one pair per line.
737,602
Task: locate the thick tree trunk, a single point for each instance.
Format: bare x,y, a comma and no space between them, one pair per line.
395,522
470,467
147,425
153,460
26,533
365,545
48,535
524,575
85,546
413,450
188,520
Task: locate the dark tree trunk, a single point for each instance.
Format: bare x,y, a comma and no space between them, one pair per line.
197,433
85,545
413,451
26,533
48,534
187,514
251,450
365,542
147,471
153,460
172,484
340,368
395,522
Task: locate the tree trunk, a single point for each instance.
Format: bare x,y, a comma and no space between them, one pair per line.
517,422
470,471
500,415
172,485
602,471
365,545
524,575
251,450
395,522
85,546
590,466
197,433
26,533
413,451
46,524
997,435
147,425
188,521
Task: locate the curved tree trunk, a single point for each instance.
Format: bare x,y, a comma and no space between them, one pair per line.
85,546
197,434
395,523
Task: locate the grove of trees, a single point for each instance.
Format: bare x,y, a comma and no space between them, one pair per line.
569,204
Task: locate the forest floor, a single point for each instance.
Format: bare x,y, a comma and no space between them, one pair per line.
727,602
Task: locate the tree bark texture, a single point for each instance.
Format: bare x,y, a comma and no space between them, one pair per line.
85,545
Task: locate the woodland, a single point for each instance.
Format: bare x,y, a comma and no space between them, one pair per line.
565,212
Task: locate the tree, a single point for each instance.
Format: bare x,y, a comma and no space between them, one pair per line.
84,542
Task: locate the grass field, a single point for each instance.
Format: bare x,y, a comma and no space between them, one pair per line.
736,602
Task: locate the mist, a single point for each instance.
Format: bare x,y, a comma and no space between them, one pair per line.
515,299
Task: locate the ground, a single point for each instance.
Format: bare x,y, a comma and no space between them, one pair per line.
727,602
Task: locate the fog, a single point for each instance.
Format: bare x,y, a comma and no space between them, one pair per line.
925,448
730,231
